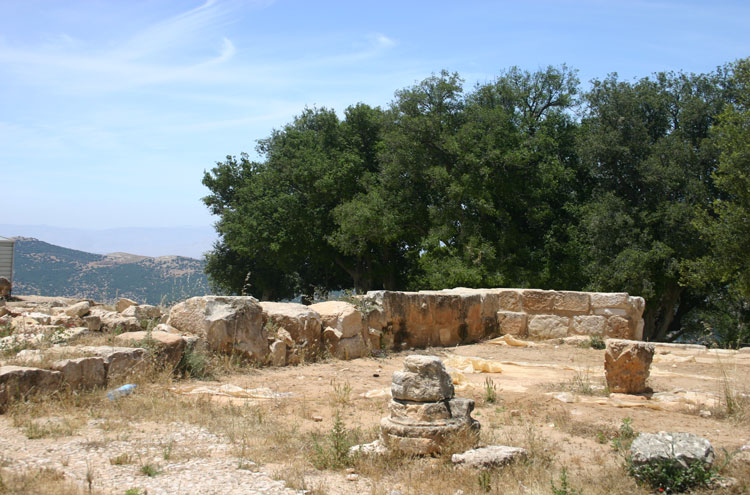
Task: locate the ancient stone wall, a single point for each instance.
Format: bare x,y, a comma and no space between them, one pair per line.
458,316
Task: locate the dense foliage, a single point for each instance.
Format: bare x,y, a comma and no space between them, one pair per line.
525,181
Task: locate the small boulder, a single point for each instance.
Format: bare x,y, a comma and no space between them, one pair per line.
123,304
489,457
142,312
678,449
78,310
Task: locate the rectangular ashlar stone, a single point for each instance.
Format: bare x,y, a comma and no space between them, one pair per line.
510,300
611,312
512,323
548,326
610,300
589,325
538,301
619,327
577,302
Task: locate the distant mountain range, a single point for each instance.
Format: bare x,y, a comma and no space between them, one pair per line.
49,270
187,241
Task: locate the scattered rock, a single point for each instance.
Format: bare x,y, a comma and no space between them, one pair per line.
79,310
373,448
142,312
317,419
123,304
626,365
489,457
680,449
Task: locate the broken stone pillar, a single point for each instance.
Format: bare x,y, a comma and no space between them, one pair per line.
626,365
424,413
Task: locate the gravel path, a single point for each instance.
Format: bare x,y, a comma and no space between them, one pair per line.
189,459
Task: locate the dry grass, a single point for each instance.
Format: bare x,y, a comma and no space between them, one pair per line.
38,482
281,432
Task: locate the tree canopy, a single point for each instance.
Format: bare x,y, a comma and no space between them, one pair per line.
524,181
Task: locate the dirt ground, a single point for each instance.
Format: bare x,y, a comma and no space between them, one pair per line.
550,400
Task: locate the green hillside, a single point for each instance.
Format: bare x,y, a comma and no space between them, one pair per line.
45,269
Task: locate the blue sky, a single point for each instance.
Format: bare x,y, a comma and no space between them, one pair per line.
110,111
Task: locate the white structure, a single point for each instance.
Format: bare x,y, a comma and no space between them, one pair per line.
6,258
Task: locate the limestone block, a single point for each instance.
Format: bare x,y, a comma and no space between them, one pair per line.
93,323
142,312
344,348
488,457
342,316
510,300
85,372
422,439
676,448
609,300
426,366
577,302
611,312
512,323
5,287
302,323
277,355
119,361
548,326
419,412
123,304
17,382
228,323
589,325
169,346
79,309
618,327
460,409
626,365
538,301
407,385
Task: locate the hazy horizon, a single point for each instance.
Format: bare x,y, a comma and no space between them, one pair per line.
187,241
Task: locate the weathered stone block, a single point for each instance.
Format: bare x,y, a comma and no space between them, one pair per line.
510,300
575,302
79,309
407,385
626,365
123,304
589,325
538,301
609,300
85,372
489,457
512,323
619,328
419,412
169,346
228,323
548,326
17,382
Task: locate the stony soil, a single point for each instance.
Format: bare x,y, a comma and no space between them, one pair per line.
110,446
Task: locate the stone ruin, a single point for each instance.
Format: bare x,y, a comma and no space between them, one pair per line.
627,364
424,414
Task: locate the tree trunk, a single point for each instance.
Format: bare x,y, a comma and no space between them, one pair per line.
657,320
